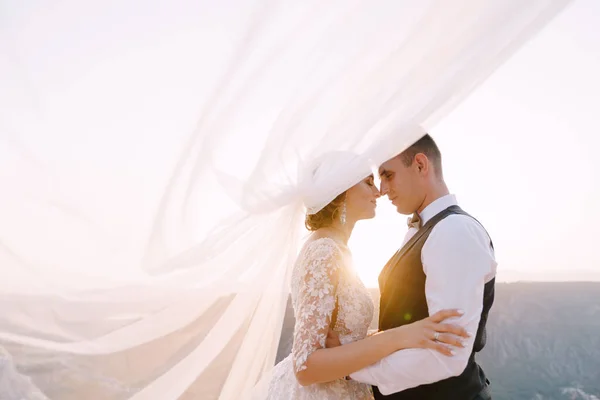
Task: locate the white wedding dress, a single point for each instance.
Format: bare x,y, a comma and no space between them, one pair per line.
322,271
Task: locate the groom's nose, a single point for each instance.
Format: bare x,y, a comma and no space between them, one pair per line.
383,188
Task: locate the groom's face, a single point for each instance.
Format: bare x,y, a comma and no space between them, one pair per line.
401,184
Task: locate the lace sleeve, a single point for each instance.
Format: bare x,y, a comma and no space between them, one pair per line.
316,286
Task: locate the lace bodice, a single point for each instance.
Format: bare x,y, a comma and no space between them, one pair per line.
323,271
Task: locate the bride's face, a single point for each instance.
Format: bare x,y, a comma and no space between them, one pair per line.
361,199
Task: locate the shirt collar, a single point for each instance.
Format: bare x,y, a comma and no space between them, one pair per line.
436,207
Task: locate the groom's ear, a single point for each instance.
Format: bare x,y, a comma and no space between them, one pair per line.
421,163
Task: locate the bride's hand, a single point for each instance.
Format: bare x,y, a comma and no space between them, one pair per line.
431,333
332,340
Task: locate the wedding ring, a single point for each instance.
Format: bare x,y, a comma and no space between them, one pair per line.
436,336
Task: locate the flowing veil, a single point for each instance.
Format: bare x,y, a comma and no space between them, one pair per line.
140,261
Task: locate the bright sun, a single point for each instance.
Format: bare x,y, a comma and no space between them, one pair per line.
373,242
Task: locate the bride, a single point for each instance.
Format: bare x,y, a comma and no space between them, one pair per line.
329,300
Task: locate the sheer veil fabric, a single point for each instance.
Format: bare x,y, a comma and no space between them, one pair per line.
142,261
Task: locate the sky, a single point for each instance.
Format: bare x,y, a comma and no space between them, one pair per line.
519,152
521,155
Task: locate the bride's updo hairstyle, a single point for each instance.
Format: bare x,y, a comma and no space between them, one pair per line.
324,184
327,215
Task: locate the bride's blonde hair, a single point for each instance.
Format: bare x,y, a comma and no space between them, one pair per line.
327,215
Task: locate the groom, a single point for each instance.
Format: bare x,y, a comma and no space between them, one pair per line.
446,261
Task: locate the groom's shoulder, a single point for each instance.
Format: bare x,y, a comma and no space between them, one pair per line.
461,226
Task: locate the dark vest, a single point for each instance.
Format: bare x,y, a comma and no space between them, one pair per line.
402,286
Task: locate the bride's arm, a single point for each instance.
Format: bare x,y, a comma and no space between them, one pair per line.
328,364
317,280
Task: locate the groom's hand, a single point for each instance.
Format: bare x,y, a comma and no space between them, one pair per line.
332,340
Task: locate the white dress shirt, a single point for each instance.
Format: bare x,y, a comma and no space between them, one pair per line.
458,261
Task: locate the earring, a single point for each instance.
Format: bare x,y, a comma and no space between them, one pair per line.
343,213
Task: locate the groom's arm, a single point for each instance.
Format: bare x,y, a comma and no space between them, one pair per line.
458,261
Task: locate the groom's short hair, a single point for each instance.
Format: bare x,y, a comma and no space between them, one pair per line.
427,146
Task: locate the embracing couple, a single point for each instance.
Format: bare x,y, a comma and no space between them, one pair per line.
436,292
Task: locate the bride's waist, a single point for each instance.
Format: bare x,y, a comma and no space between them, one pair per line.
350,337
